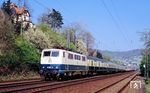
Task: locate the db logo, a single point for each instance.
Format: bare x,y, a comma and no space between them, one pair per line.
135,84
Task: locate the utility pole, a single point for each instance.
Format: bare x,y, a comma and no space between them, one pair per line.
25,3
97,46
146,68
68,39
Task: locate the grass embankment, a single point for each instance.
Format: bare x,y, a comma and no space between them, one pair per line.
20,76
148,86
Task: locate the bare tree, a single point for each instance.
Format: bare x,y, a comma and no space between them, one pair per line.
146,39
88,39
6,33
84,39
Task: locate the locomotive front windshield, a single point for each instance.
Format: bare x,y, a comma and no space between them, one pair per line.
51,53
47,53
55,54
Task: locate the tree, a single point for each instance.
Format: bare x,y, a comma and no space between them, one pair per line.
70,35
56,40
6,34
52,18
145,63
86,36
95,53
99,55
5,6
88,39
78,35
146,39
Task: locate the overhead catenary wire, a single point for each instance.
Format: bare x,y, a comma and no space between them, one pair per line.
120,22
115,22
69,12
42,5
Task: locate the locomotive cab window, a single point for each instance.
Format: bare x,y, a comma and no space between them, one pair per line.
55,54
47,53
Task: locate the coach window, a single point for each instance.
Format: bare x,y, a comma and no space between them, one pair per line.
47,53
55,54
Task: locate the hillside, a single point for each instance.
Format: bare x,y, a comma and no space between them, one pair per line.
131,56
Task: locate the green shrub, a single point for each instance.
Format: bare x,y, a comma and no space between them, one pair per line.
145,60
24,57
25,51
56,39
44,27
72,47
8,60
38,39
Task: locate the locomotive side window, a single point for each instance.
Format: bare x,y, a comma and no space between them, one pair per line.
55,54
83,58
46,53
70,56
63,54
77,57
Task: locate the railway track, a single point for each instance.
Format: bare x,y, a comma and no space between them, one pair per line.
16,86
120,85
19,83
61,86
41,86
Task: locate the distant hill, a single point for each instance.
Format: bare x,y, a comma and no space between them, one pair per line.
125,54
131,56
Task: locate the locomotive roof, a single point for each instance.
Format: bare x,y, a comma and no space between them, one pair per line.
53,49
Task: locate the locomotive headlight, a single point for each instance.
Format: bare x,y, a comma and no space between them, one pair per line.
56,67
43,67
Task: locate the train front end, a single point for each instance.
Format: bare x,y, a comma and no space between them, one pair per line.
50,64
